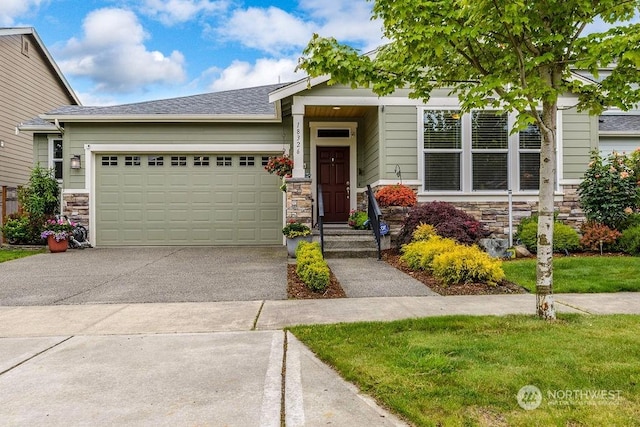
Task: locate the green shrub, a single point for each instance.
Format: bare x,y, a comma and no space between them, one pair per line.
609,192
632,220
419,255
565,238
629,242
40,197
21,229
358,220
467,264
311,268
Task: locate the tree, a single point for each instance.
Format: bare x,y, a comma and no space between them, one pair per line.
514,56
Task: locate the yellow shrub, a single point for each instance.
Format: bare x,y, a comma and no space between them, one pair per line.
311,267
466,264
423,232
419,255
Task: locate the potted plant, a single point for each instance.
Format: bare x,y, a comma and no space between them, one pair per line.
358,220
281,166
56,232
295,232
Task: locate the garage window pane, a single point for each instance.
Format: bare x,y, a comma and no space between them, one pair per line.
265,160
155,161
109,160
247,161
132,160
178,161
223,161
201,161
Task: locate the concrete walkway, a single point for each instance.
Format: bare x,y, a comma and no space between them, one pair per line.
218,364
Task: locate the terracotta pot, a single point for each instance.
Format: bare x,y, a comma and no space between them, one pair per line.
54,246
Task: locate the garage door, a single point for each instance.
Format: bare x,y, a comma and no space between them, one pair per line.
186,199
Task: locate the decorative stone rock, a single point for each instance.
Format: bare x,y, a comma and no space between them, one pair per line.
496,248
522,252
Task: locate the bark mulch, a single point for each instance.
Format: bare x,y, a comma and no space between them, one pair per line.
392,257
296,289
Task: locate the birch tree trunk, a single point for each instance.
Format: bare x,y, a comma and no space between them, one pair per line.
545,307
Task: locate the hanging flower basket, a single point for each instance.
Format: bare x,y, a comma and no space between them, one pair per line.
281,166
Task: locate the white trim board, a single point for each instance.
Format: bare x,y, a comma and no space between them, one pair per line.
186,148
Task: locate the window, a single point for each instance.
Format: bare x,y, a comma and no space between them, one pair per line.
489,151
132,160
201,161
178,160
442,150
529,143
109,160
476,153
55,149
265,160
247,161
155,161
223,161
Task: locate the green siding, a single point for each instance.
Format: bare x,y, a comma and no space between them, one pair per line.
579,137
369,153
41,150
399,142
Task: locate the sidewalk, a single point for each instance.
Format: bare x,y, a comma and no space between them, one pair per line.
218,364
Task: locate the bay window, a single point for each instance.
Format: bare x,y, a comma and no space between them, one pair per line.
476,153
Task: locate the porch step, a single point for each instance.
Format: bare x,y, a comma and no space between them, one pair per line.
341,241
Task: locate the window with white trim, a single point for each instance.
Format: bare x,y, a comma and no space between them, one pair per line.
475,152
56,157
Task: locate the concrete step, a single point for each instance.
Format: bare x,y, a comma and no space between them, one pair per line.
346,242
350,253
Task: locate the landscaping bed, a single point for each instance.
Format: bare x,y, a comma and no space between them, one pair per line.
392,257
296,289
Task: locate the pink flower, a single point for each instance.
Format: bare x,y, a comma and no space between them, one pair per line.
628,211
624,174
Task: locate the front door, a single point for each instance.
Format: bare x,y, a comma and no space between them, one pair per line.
333,175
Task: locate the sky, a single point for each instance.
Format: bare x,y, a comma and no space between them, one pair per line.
122,51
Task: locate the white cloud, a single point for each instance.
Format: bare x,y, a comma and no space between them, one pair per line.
113,55
270,30
171,12
265,71
11,9
277,32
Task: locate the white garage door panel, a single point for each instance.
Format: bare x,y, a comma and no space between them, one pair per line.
177,204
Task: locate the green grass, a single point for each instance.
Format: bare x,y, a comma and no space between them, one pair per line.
11,254
580,274
464,370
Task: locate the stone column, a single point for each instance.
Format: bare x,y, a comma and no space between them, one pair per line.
76,207
299,201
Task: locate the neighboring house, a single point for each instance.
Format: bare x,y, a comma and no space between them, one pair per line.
30,83
619,132
189,171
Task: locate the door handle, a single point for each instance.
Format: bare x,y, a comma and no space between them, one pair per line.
348,190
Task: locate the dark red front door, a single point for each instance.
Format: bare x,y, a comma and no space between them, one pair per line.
333,175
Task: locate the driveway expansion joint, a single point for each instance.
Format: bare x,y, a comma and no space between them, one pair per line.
35,355
575,307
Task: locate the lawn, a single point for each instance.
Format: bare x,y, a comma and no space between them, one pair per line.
463,370
10,254
581,274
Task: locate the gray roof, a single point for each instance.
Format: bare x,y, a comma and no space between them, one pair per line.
619,123
243,102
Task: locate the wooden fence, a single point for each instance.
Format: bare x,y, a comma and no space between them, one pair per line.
8,203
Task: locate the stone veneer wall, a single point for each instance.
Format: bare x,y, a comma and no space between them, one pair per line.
495,215
76,207
299,200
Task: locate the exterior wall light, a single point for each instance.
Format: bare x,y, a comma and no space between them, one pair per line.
75,161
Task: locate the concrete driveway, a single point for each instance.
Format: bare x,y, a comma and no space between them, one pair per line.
145,275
